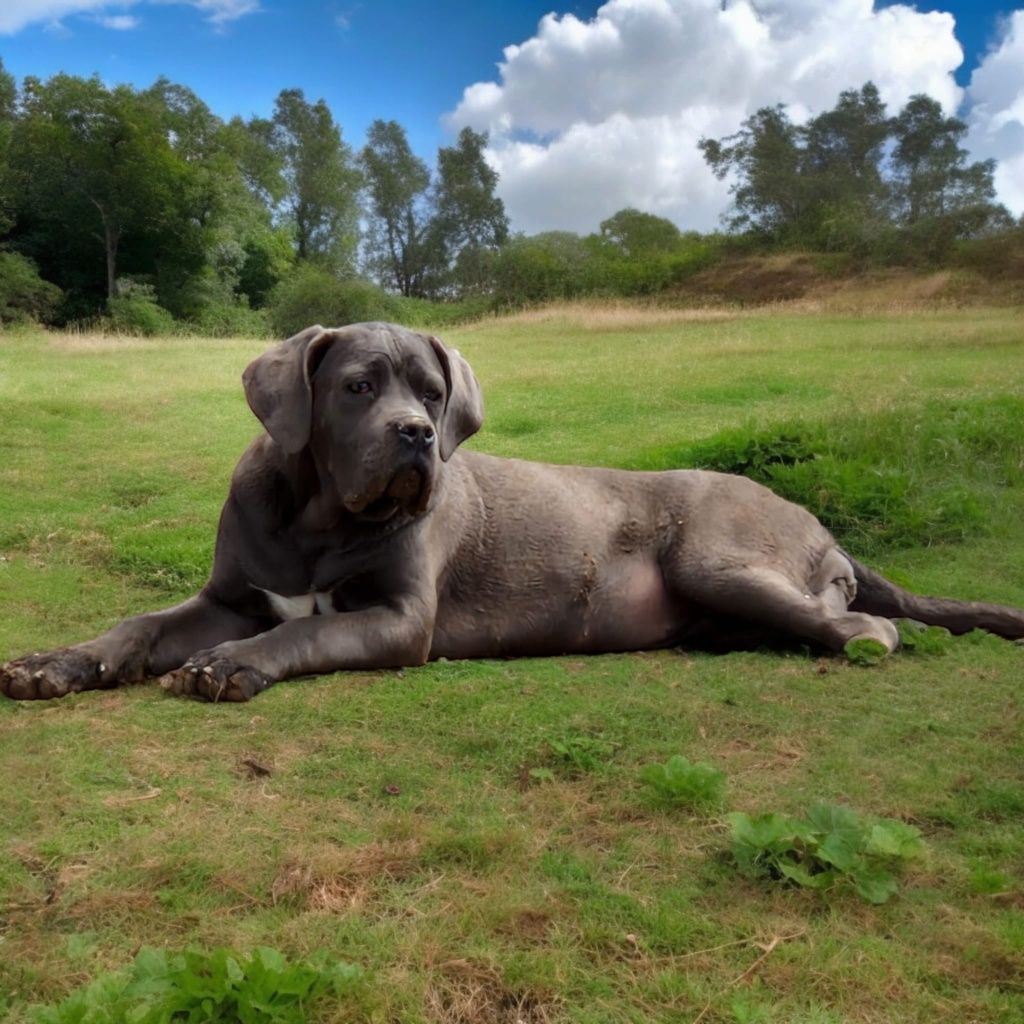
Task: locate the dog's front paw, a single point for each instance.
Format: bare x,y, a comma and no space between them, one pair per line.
55,674
208,676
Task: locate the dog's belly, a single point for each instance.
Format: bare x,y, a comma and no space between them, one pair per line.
623,606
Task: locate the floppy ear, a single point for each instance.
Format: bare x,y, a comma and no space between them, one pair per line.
277,387
464,404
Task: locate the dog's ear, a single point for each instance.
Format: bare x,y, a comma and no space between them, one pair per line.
464,403
277,386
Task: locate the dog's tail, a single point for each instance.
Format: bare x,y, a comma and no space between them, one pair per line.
878,596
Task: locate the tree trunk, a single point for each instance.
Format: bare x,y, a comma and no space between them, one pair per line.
111,236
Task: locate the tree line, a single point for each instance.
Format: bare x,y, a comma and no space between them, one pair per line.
144,195
144,207
855,179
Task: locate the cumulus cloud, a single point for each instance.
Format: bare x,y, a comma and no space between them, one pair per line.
590,116
996,98
18,14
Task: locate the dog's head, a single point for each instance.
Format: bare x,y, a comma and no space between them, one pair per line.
380,407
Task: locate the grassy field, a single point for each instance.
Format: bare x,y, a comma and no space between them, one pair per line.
475,835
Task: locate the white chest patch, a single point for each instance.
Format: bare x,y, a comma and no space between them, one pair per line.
299,607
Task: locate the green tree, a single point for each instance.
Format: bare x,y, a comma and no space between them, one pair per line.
94,169
841,162
322,181
769,195
8,104
932,177
634,233
400,249
469,223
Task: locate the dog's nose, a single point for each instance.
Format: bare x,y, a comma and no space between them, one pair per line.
419,434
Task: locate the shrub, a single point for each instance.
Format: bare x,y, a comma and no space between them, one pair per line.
134,310
231,319
312,295
425,313
24,295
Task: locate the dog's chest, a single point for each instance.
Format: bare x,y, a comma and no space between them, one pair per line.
301,606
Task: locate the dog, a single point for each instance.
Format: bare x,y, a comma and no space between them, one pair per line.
358,535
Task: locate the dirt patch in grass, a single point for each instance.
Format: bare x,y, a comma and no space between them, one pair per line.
469,992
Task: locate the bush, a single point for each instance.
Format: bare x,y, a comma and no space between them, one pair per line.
134,310
425,313
24,295
231,320
312,295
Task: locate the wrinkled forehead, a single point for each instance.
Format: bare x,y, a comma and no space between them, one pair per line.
378,347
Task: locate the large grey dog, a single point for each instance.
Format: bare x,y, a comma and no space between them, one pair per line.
356,536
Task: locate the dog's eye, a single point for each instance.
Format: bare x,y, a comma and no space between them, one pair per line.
360,387
432,395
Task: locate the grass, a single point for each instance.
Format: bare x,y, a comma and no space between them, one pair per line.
475,835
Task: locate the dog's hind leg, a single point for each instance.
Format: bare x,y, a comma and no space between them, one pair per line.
817,611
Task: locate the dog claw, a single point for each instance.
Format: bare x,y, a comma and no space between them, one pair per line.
222,680
56,674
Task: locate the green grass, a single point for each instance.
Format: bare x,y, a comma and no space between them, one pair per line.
475,836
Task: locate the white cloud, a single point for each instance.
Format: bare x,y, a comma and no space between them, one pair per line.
996,95
219,12
18,14
118,22
590,116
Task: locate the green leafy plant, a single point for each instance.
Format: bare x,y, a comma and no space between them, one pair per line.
832,846
681,783
580,753
205,988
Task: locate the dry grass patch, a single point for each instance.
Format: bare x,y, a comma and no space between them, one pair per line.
470,992
335,880
598,315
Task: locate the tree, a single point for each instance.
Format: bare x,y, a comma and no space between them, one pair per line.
932,178
635,233
469,223
322,181
398,247
94,168
8,102
842,147
768,194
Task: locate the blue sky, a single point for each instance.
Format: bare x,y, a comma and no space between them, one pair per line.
391,58
569,118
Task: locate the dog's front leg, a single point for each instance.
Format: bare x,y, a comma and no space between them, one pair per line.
136,649
388,636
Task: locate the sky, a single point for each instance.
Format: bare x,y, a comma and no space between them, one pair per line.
589,107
